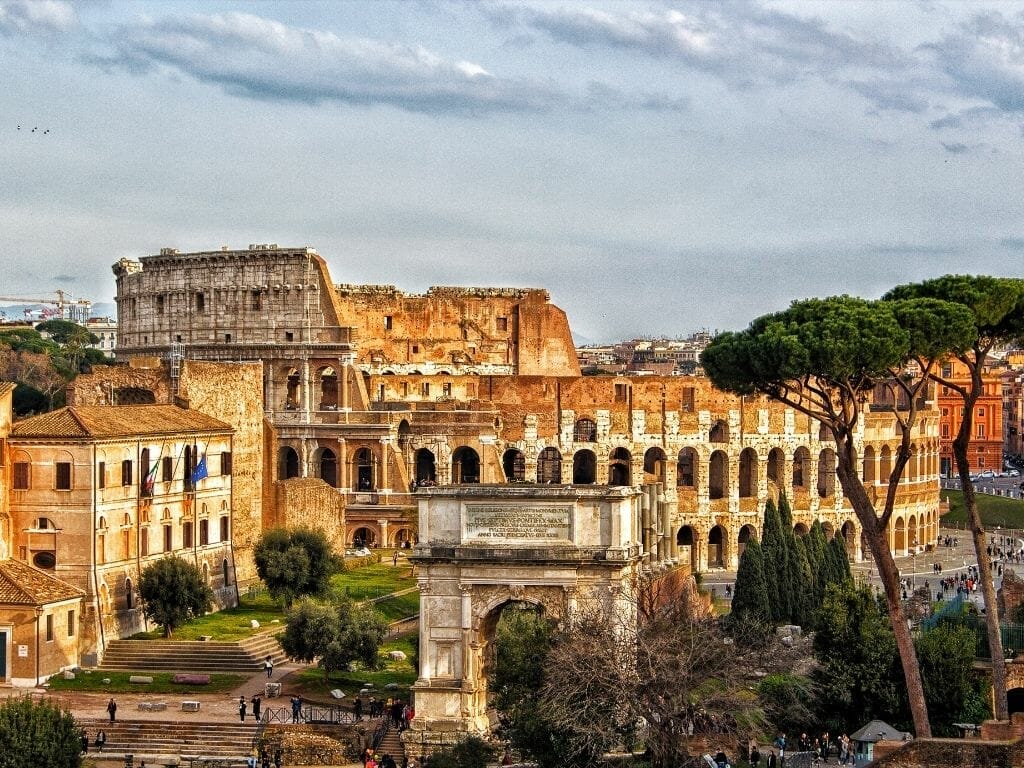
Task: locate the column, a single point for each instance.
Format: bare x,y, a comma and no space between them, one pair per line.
384,483
425,665
305,384
383,525
344,481
467,633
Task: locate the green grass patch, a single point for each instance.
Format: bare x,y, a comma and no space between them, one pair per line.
994,510
398,607
310,681
372,581
93,681
229,624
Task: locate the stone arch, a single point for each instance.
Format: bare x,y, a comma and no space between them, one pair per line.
718,475
801,468
584,468
884,465
686,537
849,534
585,431
686,468
747,532
913,532
364,470
828,530
465,465
719,432
400,537
364,536
800,529
619,467
425,467
328,388
549,466
328,467
716,547
654,465
748,473
513,462
129,594
287,463
293,389
899,532
826,473
868,465
1015,700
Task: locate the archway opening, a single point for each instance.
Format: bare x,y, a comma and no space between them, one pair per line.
426,468
686,541
748,473
716,547
288,463
718,476
465,465
686,469
618,467
1015,700
584,468
549,466
746,534
513,463
328,389
329,467
654,466
364,537
363,461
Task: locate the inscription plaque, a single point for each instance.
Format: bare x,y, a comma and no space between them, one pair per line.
493,523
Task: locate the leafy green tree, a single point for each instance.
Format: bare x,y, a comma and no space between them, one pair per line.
996,308
788,702
523,639
953,690
857,677
295,562
334,634
826,358
471,752
173,591
36,733
750,596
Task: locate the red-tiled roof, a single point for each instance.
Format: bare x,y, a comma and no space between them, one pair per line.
21,584
101,421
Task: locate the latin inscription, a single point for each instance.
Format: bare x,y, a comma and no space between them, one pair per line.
493,523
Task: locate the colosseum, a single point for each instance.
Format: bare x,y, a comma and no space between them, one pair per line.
370,393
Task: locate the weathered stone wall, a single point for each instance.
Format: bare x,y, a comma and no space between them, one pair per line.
311,503
949,753
103,385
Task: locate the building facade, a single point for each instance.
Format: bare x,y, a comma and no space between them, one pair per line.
985,449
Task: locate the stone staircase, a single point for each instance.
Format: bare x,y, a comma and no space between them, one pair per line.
244,656
150,740
392,745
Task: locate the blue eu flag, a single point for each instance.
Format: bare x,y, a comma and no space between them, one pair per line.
200,471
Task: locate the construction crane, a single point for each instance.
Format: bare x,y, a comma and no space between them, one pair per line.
67,307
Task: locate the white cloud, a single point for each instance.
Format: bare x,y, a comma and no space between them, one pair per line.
36,17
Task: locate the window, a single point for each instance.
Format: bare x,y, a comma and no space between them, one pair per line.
415,348
225,462
101,474
224,528
945,412
689,394
126,472
159,305
44,560
62,475
49,627
446,389
227,338
501,323
947,370
144,542
981,430
204,532
425,389
621,391
20,480
71,623
167,469
289,336
945,431
257,301
200,303
387,322
168,538
3,450
186,534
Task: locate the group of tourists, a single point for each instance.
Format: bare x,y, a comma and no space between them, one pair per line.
264,759
398,712
822,748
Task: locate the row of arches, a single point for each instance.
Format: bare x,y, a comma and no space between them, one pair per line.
718,549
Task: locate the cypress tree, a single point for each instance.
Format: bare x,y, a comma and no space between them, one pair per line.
785,513
750,594
816,543
773,551
840,560
802,583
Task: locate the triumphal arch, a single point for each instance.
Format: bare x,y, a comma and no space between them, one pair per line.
553,547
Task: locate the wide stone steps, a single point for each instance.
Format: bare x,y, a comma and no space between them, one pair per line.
392,745
150,737
244,656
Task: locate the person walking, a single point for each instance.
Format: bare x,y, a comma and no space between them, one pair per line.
112,709
241,708
256,703
268,667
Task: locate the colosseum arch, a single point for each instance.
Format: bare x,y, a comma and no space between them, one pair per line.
549,466
655,465
686,468
425,467
777,467
717,554
287,463
748,473
328,389
327,466
868,463
801,468
584,468
513,462
826,473
364,470
686,540
585,431
465,465
719,432
718,475
619,467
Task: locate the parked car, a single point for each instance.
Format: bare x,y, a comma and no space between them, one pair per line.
1013,473
988,473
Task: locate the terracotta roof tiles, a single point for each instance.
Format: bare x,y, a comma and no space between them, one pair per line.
21,584
103,421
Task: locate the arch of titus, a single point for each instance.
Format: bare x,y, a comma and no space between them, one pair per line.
484,547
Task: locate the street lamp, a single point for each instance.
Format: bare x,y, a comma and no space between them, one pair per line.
913,576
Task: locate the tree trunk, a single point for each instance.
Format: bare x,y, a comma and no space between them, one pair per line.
988,589
889,574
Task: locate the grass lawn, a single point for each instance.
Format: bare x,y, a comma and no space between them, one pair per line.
229,624
372,581
995,510
93,681
310,681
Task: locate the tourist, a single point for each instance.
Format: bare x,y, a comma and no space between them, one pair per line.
241,708
101,739
84,739
755,756
277,758
296,708
112,708
357,708
268,666
256,703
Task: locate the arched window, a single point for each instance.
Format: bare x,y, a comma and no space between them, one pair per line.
884,465
585,431
426,469
291,400
619,467
654,465
364,463
549,466
719,432
826,473
584,468
513,462
801,468
718,475
686,468
776,466
225,531
288,463
465,465
716,546
748,473
328,389
869,465
329,467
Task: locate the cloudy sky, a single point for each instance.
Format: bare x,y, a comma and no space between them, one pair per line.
658,167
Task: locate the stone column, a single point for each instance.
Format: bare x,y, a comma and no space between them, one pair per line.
383,525
467,634
305,384
344,481
426,668
385,442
